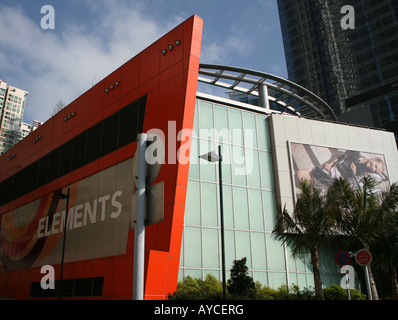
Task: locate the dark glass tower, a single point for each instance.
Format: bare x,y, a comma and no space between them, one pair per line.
354,70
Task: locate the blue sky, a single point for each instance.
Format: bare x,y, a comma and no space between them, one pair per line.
94,37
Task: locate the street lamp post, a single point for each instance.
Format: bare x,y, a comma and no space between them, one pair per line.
213,157
139,229
60,195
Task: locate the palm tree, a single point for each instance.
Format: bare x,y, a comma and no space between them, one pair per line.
360,214
307,228
387,244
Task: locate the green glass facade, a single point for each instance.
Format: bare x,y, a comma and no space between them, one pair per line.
249,200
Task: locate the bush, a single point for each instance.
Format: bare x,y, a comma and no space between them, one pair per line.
198,289
211,289
336,292
294,293
265,293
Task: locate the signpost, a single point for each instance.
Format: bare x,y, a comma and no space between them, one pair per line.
147,207
348,280
363,257
343,260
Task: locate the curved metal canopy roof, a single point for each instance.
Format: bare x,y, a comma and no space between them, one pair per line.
281,92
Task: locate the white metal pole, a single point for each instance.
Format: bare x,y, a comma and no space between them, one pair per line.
139,230
368,283
347,281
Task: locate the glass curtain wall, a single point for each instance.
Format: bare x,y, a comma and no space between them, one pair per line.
248,198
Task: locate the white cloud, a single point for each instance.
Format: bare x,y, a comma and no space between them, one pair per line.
61,65
223,52
213,53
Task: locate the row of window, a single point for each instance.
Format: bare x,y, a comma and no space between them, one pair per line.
84,287
110,134
244,208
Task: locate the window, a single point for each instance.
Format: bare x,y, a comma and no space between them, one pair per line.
235,120
104,137
256,210
192,213
211,253
209,204
241,209
205,119
259,257
85,287
193,244
248,197
93,146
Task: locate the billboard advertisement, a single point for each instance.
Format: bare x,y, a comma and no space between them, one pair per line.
321,165
97,223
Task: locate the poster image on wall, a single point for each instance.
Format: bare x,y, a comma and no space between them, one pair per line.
321,165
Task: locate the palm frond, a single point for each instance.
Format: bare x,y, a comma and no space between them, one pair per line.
308,225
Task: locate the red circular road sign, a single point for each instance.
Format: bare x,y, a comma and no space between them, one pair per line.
363,257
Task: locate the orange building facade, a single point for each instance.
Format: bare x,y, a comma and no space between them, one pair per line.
88,148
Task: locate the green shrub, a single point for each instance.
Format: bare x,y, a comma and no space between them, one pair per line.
198,289
294,293
211,289
336,292
265,293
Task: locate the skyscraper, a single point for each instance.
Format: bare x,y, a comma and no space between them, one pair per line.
12,107
354,70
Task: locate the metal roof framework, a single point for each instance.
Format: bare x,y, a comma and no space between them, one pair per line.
284,93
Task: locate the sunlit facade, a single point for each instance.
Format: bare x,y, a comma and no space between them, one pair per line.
249,198
76,174
258,176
